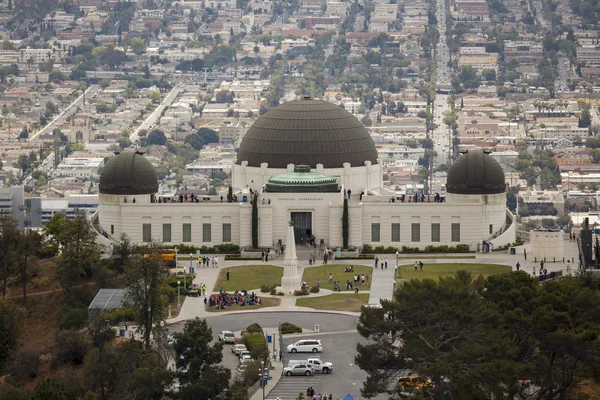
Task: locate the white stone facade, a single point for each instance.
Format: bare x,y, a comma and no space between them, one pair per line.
462,219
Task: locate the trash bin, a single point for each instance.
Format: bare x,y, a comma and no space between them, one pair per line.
122,332
513,250
317,328
269,338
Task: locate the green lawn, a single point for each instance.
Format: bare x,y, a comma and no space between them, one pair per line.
266,302
336,302
311,274
403,259
435,271
248,277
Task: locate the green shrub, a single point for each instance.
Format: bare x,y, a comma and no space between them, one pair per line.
24,364
256,344
314,289
359,257
367,249
303,292
268,288
459,248
73,313
47,252
71,317
222,248
8,391
117,316
237,257
72,346
288,327
254,328
273,292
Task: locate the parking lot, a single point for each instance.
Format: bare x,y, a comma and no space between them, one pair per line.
346,378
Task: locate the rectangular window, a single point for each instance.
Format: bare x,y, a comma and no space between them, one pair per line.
456,232
375,233
146,232
415,232
167,233
187,233
491,229
435,232
206,233
112,229
226,233
395,232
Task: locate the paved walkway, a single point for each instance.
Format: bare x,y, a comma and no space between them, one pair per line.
382,283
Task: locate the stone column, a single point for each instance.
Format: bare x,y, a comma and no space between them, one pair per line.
290,280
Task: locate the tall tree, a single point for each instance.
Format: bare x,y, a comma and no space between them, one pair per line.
9,240
76,240
345,225
146,283
10,325
30,243
122,252
198,363
477,339
255,222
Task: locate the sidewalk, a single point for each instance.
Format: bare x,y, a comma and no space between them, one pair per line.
276,373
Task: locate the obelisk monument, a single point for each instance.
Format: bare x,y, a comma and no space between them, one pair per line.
290,281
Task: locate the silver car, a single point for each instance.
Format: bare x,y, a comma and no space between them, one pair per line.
299,369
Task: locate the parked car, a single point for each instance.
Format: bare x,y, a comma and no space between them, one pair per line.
305,346
298,369
238,348
317,364
227,337
245,356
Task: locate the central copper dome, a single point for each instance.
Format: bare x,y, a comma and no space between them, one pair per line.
307,132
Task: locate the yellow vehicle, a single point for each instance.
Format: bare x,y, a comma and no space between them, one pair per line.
168,255
413,382
165,255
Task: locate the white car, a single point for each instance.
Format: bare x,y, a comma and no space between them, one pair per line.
227,337
299,369
305,346
245,356
238,348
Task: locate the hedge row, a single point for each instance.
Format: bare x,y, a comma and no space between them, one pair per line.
288,327
459,248
223,248
238,257
359,257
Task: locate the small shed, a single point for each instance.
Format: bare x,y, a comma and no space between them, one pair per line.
106,300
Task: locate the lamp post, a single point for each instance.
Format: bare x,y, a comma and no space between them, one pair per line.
178,294
262,376
396,269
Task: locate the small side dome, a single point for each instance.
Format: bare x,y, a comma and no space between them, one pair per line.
128,173
475,172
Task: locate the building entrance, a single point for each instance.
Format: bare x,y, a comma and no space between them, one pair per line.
302,226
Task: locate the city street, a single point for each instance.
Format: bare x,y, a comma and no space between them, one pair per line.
67,112
152,119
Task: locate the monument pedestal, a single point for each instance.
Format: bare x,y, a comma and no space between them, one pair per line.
290,282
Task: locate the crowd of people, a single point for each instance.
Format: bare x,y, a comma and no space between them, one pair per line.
225,299
204,261
418,198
